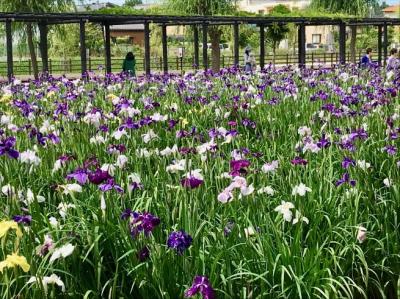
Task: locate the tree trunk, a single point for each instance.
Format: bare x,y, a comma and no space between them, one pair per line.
353,43
215,37
31,46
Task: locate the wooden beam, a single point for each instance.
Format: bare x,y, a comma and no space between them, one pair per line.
302,45
82,41
385,43
107,45
205,48
44,47
147,48
262,46
164,48
236,43
342,43
380,45
10,66
196,46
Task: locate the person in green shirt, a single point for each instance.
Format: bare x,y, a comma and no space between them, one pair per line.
129,64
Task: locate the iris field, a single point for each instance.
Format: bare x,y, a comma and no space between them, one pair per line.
279,184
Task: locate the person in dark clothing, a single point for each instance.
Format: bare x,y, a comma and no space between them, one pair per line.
366,59
129,64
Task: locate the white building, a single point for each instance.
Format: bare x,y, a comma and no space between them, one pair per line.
265,6
316,36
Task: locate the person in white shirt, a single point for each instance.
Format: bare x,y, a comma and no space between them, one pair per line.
249,60
393,61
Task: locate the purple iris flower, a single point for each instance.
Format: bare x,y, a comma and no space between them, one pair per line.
80,175
347,162
116,148
126,214
201,285
391,149
299,161
239,167
99,176
323,142
140,222
191,182
179,241
25,219
345,179
109,185
6,147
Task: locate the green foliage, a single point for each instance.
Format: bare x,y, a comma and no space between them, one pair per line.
351,7
132,2
201,7
277,32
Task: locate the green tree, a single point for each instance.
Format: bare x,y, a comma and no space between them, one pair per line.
277,32
132,3
34,6
205,8
359,8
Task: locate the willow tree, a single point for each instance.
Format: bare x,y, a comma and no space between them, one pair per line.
206,8
358,8
28,28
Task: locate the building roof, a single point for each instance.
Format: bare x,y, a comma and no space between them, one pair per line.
391,9
127,27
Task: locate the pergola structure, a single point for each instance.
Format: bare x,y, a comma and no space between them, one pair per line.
45,19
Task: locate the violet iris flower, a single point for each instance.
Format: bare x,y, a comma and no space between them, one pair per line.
99,176
323,142
239,167
299,161
179,241
140,222
109,185
191,182
80,175
345,179
25,219
347,162
7,147
201,285
391,149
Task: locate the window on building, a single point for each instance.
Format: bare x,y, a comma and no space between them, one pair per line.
316,38
261,11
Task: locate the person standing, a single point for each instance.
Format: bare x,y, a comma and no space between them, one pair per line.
393,61
248,60
366,59
129,64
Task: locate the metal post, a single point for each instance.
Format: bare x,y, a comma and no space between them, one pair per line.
44,46
236,43
164,48
82,39
107,44
196,46
147,48
380,45
9,51
262,46
205,60
342,43
302,45
385,43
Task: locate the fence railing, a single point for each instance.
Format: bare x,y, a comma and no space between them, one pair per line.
73,66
